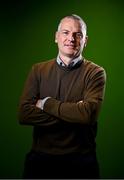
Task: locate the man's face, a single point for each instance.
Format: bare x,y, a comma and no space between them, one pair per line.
70,38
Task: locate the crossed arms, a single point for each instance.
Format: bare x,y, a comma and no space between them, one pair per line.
36,111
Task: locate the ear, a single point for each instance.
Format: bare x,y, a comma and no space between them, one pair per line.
56,37
86,39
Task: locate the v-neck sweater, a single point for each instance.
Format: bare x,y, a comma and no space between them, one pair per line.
68,122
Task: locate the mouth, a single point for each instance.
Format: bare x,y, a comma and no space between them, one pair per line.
72,46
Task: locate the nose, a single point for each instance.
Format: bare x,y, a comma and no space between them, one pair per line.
71,37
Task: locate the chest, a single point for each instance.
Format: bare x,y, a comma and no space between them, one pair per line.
62,85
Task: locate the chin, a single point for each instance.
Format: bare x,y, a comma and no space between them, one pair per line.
71,54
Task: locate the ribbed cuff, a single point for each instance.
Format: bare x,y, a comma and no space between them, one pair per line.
51,106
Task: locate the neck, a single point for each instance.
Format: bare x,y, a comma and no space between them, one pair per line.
67,60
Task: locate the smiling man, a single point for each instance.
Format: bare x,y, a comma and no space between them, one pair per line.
71,38
61,100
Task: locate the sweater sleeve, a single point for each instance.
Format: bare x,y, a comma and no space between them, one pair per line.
87,109
28,113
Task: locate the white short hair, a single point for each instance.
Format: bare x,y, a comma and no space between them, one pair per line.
78,18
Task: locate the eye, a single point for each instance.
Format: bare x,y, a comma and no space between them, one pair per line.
65,32
79,35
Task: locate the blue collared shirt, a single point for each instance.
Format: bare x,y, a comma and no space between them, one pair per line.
72,63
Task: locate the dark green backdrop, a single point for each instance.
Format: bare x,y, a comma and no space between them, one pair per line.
27,36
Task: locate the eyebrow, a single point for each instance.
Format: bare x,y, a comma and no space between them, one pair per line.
64,30
69,31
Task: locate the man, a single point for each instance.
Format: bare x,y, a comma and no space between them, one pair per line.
62,99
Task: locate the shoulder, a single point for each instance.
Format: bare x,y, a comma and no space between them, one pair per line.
42,67
93,69
44,64
91,66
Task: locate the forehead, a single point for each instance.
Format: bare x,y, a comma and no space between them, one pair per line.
70,24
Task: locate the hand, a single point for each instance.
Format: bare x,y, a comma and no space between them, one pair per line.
39,103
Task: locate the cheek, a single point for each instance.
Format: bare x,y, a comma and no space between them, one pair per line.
61,41
81,43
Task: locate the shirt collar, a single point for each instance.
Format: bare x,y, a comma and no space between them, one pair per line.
72,63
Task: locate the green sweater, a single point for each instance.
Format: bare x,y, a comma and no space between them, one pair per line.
68,122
